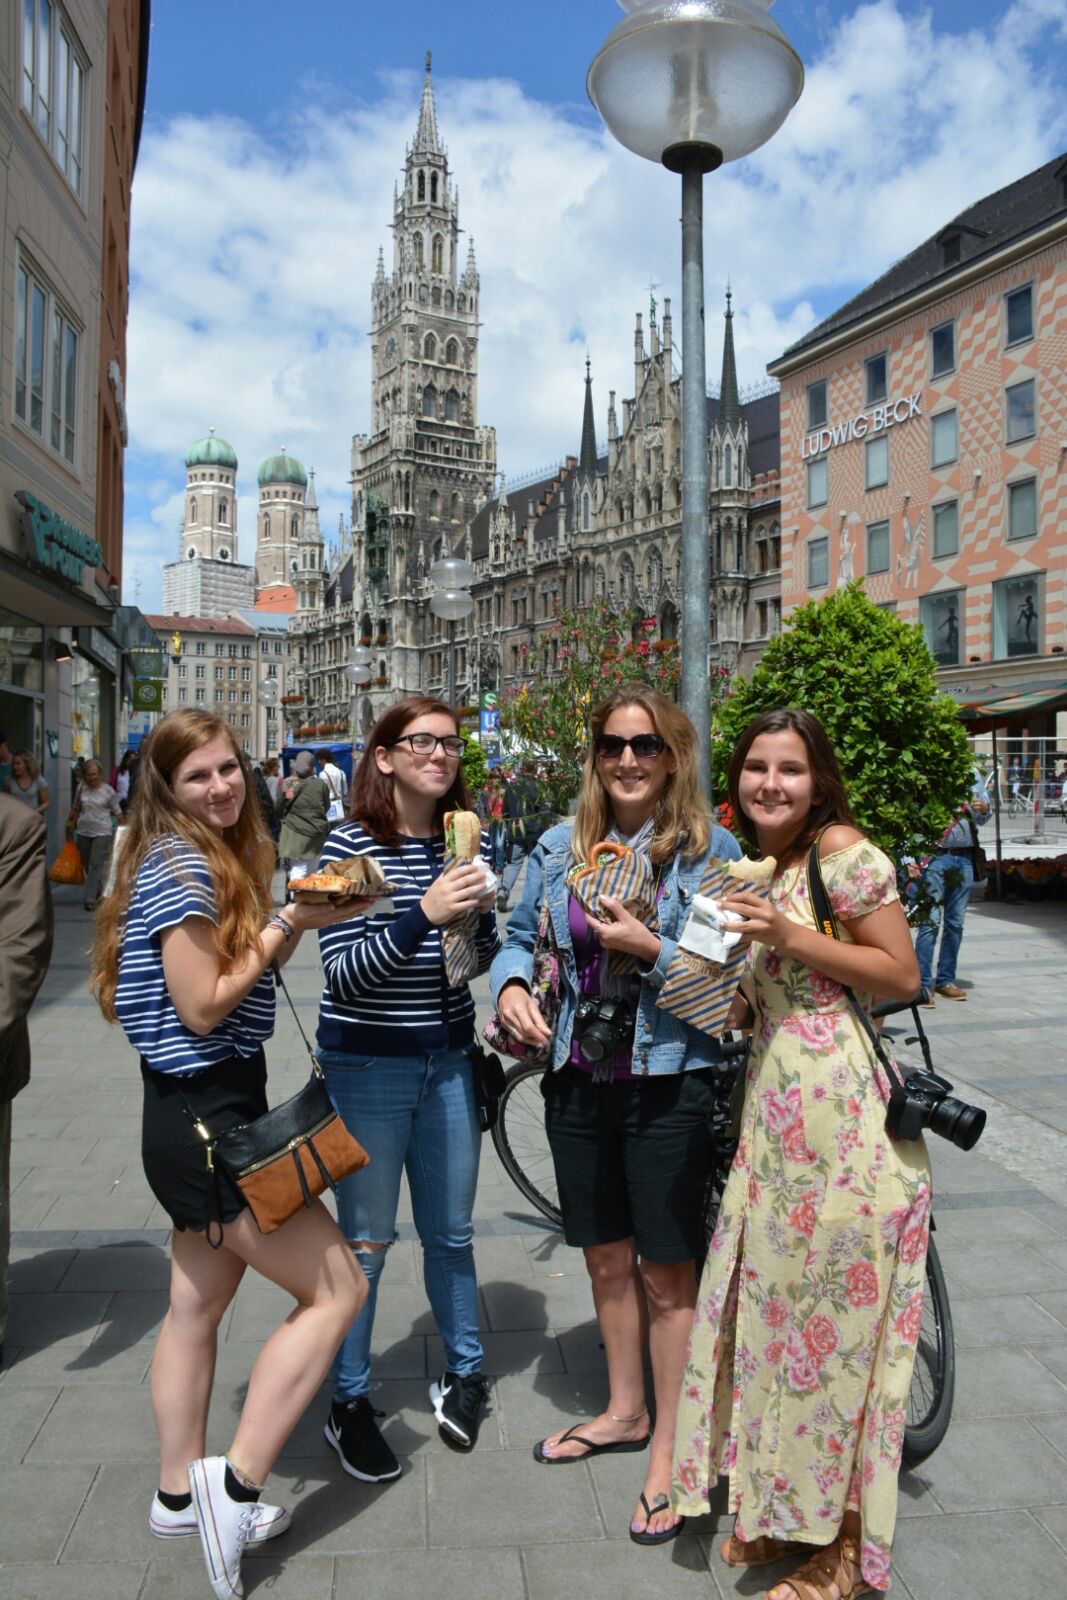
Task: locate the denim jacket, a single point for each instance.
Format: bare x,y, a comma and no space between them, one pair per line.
662,1043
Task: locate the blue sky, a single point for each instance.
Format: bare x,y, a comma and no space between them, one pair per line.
273,137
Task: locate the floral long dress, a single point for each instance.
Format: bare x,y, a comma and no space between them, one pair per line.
808,1314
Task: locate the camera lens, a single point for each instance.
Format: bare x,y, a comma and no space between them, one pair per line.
955,1120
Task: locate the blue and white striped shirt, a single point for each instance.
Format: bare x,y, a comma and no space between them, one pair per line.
173,884
385,992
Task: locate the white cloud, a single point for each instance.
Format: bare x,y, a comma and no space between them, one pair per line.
253,250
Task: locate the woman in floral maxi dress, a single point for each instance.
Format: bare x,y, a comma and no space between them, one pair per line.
808,1314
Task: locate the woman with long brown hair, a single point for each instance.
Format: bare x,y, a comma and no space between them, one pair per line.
184,949
395,1044
809,1308
630,1137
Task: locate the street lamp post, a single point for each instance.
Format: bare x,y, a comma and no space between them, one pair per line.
452,601
694,84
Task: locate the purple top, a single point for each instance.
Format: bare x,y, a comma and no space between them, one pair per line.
589,955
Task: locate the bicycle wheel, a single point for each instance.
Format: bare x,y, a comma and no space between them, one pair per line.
933,1382
521,1142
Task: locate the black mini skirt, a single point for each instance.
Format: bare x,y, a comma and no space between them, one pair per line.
174,1158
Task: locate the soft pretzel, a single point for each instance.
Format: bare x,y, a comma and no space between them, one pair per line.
759,872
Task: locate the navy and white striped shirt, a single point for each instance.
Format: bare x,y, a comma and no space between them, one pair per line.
173,884
385,992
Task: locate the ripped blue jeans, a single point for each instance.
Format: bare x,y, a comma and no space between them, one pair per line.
412,1114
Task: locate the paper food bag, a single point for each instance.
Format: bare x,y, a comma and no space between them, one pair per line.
704,973
458,938
630,879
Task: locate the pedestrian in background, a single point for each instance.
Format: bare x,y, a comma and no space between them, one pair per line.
25,950
95,811
270,770
301,808
5,760
183,954
630,1133
396,1046
335,781
525,819
123,780
949,877
26,783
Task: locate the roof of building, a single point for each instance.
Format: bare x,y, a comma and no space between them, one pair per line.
176,624
276,597
282,468
211,451
276,622
986,226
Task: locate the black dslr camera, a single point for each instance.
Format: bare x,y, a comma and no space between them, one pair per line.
924,1100
603,1026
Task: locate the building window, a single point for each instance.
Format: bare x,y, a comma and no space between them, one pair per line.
939,615
201,648
53,83
224,512
1017,617
1021,419
877,370
877,462
192,511
818,563
878,547
818,482
943,349
246,674
817,404
246,721
183,695
46,365
1022,509
946,520
1019,314
944,438
246,651
200,670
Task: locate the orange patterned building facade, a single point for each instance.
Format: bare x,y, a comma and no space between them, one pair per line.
924,443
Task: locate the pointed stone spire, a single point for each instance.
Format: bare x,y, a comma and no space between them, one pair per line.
426,140
470,272
587,459
310,502
729,401
379,275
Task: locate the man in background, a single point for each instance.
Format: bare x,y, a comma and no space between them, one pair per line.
949,877
336,782
25,949
525,820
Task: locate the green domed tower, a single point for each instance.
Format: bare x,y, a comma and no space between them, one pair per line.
207,579
283,482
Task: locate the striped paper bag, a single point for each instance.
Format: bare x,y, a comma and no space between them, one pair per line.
457,938
630,879
697,990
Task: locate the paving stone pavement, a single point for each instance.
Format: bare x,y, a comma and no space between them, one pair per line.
986,1516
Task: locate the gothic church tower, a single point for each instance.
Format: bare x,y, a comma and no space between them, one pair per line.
426,466
729,497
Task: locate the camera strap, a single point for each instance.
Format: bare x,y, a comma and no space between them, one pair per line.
826,923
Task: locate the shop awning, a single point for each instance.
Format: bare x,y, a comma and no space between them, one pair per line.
1012,706
33,595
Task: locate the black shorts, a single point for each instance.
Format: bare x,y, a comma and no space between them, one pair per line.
632,1158
174,1158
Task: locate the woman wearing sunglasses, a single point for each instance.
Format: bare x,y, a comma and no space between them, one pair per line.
630,1136
395,1045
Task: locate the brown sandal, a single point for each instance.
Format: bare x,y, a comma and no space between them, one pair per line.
759,1552
832,1573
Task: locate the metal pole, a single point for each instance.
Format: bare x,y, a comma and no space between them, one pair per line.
451,662
996,814
696,584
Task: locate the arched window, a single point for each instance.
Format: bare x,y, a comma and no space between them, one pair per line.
456,508
429,401
294,528
422,186
437,254
452,406
450,299
266,527
461,302
668,621
435,295
585,513
429,348
407,491
192,511
224,511
433,188
435,503
419,255
452,353
727,465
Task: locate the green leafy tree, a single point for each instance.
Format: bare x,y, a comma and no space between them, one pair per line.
869,679
548,715
475,767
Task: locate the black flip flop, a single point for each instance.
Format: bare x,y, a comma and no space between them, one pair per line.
619,1447
660,1503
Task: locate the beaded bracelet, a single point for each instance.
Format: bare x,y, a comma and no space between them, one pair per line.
286,927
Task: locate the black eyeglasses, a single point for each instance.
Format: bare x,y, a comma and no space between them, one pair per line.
645,746
424,744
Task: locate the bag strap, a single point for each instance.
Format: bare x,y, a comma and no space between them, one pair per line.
280,981
826,923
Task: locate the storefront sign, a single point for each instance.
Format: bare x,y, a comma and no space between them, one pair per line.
147,694
53,542
876,420
98,644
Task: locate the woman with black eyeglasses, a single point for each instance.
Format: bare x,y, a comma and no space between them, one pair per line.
395,1045
630,1135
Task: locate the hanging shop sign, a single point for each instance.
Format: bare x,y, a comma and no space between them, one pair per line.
147,694
875,420
53,542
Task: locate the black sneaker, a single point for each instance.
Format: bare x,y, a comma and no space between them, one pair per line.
457,1405
352,1429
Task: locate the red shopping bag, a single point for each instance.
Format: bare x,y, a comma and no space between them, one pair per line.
67,867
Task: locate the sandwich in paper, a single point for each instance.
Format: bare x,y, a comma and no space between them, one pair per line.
356,875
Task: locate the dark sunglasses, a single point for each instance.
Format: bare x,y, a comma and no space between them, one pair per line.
645,746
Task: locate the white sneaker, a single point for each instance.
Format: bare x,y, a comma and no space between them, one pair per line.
225,1525
269,1521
